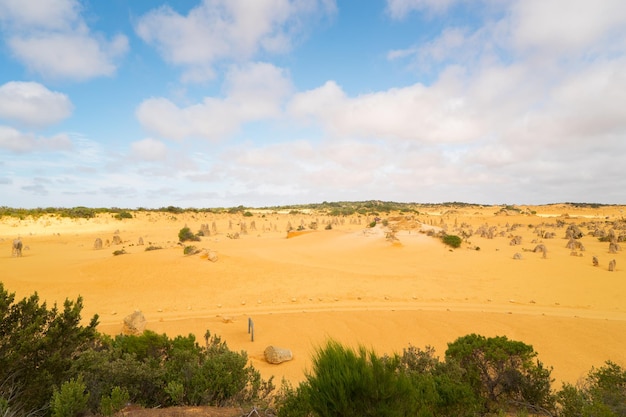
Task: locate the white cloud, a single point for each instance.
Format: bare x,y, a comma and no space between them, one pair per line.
219,30
417,112
15,141
568,26
32,104
399,9
149,150
51,38
254,92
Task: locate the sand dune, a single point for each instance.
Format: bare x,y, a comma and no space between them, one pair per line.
350,283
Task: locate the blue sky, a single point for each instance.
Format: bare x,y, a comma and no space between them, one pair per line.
219,103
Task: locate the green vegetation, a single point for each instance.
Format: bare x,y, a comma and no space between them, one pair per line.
479,376
70,400
51,365
185,234
190,250
451,240
123,215
37,348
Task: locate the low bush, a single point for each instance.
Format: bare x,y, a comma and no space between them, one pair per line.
601,393
185,234
190,250
113,403
123,215
452,240
503,373
70,400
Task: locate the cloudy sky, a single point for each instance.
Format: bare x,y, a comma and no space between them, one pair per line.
220,103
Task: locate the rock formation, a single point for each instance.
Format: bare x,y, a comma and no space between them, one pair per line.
97,244
612,265
17,247
541,248
276,355
134,323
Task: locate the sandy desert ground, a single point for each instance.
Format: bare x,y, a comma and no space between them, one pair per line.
351,283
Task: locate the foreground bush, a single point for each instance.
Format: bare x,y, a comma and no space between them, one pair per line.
601,393
479,376
37,348
155,370
503,373
70,400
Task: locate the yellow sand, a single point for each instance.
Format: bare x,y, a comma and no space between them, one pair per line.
351,283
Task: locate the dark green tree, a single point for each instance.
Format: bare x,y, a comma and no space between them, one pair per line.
38,346
503,373
601,393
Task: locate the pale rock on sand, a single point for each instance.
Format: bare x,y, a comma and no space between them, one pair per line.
276,355
134,323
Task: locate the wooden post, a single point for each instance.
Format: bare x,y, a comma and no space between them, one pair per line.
251,329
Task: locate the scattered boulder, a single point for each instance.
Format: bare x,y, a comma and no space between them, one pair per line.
517,240
97,244
517,256
212,256
117,240
140,241
595,261
134,323
276,355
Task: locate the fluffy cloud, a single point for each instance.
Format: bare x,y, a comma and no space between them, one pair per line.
419,113
568,26
51,38
149,150
15,141
219,30
254,92
32,104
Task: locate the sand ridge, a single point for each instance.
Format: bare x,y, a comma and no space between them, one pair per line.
351,283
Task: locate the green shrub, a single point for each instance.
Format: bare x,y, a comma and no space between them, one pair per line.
247,214
117,400
372,224
176,391
37,348
119,252
190,250
452,240
152,247
70,400
502,372
602,393
349,383
123,215
185,234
